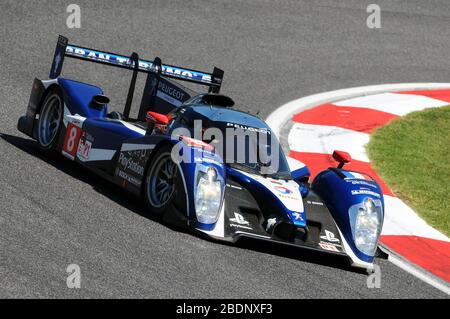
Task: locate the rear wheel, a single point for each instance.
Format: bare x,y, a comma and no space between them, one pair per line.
161,181
50,120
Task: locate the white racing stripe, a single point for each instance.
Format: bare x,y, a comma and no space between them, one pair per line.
356,262
97,154
219,228
398,104
136,147
168,98
326,139
47,83
133,127
294,164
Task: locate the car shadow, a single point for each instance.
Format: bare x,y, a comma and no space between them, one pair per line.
136,205
76,171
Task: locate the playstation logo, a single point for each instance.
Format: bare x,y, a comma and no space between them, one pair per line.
330,237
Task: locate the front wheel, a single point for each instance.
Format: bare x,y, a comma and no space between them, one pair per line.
50,120
161,181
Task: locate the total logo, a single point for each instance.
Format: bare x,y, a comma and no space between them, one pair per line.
283,190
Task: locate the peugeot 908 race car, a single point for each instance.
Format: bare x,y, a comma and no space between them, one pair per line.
160,157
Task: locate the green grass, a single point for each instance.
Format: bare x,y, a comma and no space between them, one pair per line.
412,155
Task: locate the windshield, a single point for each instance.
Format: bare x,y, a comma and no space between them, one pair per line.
259,153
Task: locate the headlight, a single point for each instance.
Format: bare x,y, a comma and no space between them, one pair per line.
367,226
208,196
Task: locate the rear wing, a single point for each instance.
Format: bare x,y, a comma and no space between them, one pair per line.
154,69
64,49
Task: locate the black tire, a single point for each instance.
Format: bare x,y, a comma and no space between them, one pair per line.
50,121
162,181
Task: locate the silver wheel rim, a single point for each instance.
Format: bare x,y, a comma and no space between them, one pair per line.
161,181
50,120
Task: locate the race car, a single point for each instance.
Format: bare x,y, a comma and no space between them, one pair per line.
177,155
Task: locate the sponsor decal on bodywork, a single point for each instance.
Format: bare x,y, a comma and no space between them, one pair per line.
283,190
357,182
297,216
234,187
85,145
143,64
365,192
239,222
127,163
330,242
249,128
271,222
314,203
128,178
131,162
355,175
328,246
288,192
170,93
330,237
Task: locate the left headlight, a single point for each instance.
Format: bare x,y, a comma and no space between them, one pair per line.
208,196
366,225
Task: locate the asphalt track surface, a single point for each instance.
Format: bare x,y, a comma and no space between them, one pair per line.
53,214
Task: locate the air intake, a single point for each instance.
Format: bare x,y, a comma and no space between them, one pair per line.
217,100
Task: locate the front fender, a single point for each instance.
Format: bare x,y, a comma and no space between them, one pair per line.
343,192
193,161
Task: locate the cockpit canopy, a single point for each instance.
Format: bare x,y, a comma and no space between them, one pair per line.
243,140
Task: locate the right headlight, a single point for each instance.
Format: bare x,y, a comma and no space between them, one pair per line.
366,225
208,196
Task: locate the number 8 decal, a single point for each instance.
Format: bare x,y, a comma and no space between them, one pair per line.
72,138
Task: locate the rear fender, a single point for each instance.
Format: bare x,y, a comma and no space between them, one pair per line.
77,97
39,90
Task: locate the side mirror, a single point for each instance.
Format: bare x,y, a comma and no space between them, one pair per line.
342,158
98,101
157,118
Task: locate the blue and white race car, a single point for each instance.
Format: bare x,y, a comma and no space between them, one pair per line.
169,156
